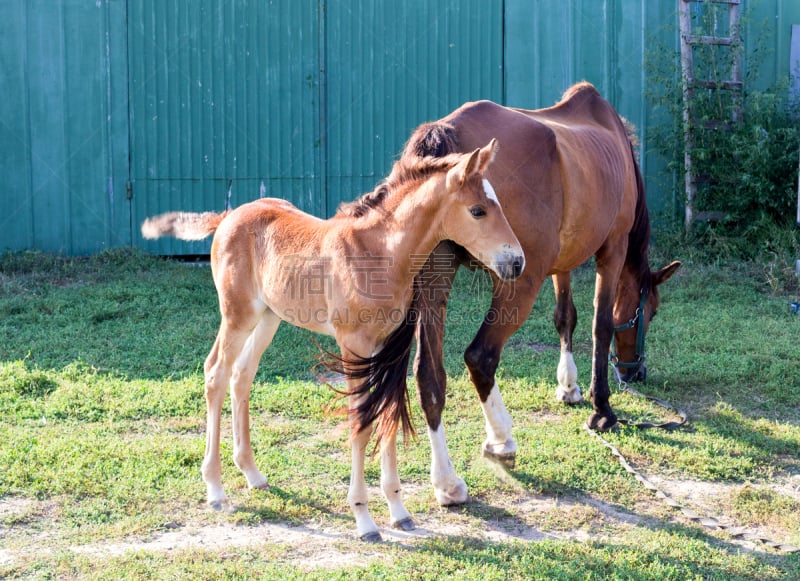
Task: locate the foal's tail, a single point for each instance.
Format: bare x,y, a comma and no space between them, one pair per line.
383,390
182,225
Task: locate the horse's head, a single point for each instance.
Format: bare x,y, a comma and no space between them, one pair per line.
474,218
635,306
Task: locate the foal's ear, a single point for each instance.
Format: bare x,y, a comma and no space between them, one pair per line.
486,155
458,175
666,273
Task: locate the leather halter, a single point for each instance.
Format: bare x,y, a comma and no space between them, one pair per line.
634,322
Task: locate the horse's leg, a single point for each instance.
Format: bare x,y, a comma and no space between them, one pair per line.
244,371
218,369
511,305
435,281
609,261
390,484
565,318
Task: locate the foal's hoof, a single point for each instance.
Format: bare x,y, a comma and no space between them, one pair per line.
405,524
456,494
601,423
507,459
372,537
221,505
569,395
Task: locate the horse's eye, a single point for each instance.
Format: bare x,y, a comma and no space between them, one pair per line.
653,314
477,212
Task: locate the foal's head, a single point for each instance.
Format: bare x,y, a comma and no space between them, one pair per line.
472,216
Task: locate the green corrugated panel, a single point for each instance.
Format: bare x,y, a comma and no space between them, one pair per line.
222,93
392,65
288,98
57,132
551,45
16,214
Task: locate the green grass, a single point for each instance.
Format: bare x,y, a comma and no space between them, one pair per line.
103,418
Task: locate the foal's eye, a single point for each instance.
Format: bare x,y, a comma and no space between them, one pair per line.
477,212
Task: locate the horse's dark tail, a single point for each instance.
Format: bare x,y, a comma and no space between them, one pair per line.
382,387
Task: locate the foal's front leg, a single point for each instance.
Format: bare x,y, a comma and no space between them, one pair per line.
357,495
390,484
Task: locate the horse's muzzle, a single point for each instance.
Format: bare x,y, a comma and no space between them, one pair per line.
636,374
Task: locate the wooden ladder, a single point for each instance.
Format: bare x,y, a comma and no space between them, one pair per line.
690,83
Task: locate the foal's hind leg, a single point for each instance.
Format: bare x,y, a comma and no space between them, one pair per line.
565,318
244,371
217,375
227,363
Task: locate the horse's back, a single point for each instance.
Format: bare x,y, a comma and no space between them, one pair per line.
564,174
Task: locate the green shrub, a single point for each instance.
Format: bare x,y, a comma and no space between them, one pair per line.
745,152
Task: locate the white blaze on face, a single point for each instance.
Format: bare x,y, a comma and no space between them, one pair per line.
487,187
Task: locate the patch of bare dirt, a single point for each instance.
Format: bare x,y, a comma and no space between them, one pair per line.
516,516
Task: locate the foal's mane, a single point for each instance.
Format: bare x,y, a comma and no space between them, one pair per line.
407,173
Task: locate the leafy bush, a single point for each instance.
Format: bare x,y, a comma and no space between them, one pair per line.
745,152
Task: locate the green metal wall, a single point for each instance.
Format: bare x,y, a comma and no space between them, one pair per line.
224,98
63,126
392,65
114,110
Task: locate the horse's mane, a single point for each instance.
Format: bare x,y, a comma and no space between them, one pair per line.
407,172
636,258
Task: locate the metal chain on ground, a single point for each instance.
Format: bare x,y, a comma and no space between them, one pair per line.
624,387
706,521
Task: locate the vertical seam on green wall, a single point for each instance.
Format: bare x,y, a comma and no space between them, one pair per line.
503,81
129,126
29,126
322,65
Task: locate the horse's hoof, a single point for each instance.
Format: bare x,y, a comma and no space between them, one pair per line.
372,537
601,423
507,459
405,524
260,486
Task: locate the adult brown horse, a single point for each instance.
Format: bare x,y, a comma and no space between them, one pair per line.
570,185
350,277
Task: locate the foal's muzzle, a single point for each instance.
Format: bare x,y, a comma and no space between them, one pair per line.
510,265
